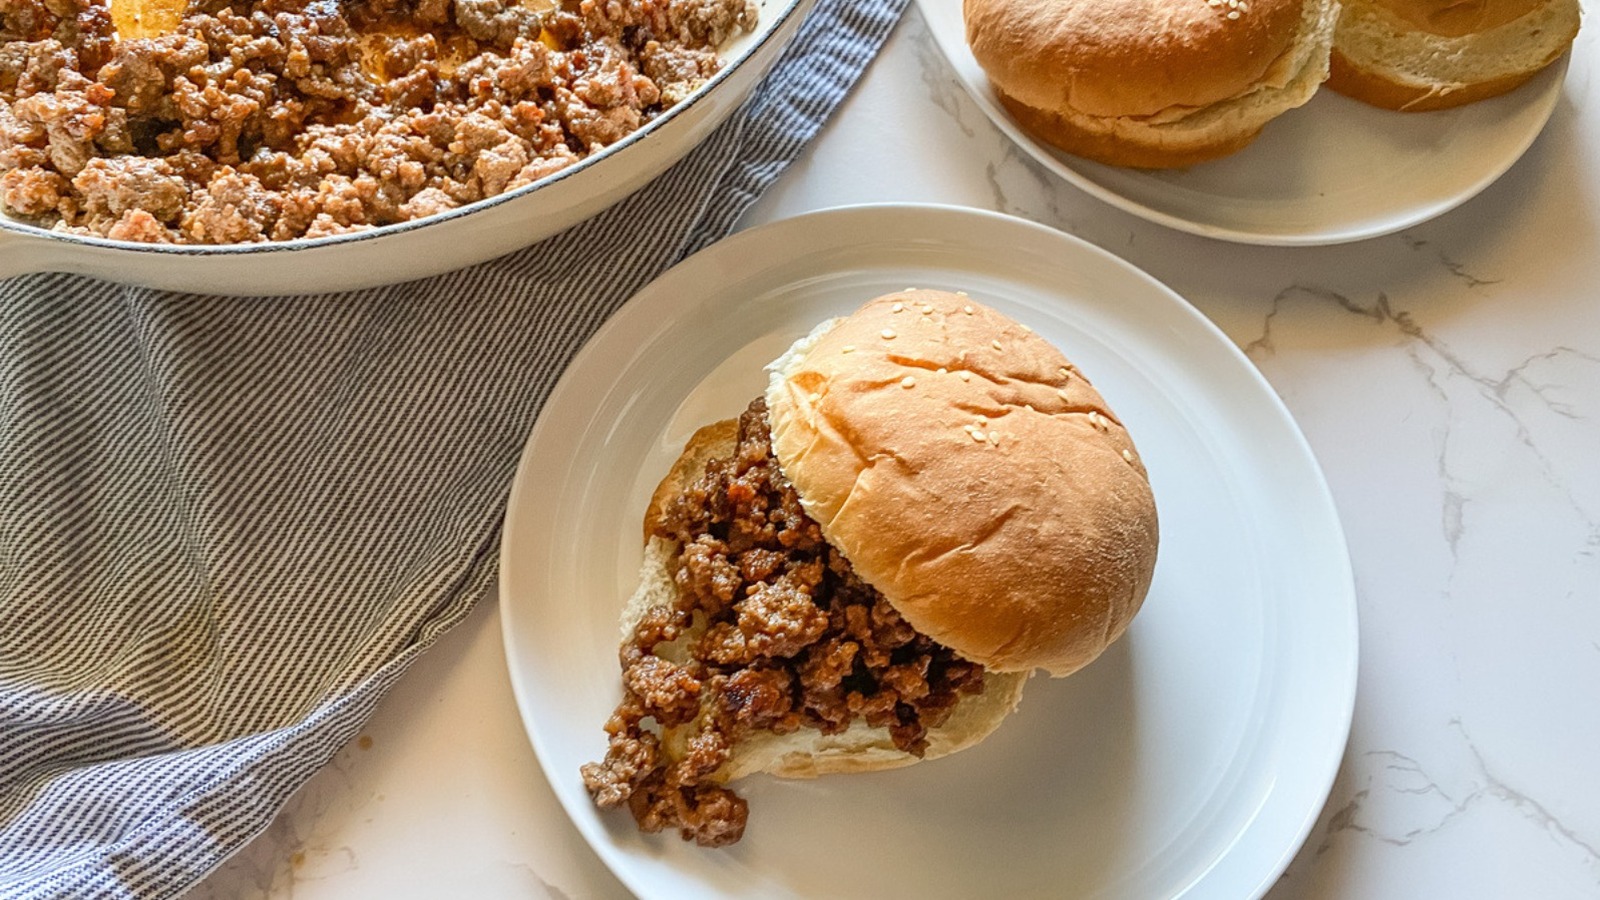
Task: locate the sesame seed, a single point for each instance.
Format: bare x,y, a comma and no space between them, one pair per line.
996,345
888,334
1233,14
994,438
983,420
908,382
1065,372
943,371
966,376
978,436
898,307
961,293
908,290
1029,407
1063,396
847,348
1026,330
1213,3
1126,455
969,310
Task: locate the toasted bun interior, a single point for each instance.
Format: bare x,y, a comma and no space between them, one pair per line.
1146,83
972,475
1418,55
807,752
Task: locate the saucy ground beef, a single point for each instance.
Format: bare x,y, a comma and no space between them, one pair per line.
772,630
280,119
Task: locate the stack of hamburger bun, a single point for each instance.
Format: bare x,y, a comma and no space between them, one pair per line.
1169,83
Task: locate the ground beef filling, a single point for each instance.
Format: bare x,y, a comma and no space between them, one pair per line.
279,119
772,630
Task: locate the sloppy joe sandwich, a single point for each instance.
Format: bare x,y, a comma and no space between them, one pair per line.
1151,83
929,503
1417,55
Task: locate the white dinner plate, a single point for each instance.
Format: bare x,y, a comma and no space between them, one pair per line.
1332,171
1191,759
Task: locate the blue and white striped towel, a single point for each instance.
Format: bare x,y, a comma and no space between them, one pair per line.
228,526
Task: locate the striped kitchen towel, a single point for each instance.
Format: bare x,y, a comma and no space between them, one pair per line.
227,526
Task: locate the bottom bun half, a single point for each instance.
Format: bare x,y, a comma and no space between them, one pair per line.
1382,59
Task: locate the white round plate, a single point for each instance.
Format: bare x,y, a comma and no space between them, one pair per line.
1333,171
1191,759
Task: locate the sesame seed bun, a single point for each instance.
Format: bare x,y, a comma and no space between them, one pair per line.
1418,55
971,475
1151,84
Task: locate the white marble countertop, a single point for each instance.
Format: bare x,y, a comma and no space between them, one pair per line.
1448,378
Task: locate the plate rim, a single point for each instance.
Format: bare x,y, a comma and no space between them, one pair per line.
1341,717
980,95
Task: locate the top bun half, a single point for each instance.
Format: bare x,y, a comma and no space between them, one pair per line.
1151,83
970,474
1130,57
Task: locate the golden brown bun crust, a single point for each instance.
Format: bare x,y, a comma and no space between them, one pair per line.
807,752
1112,149
970,474
1127,57
1372,88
